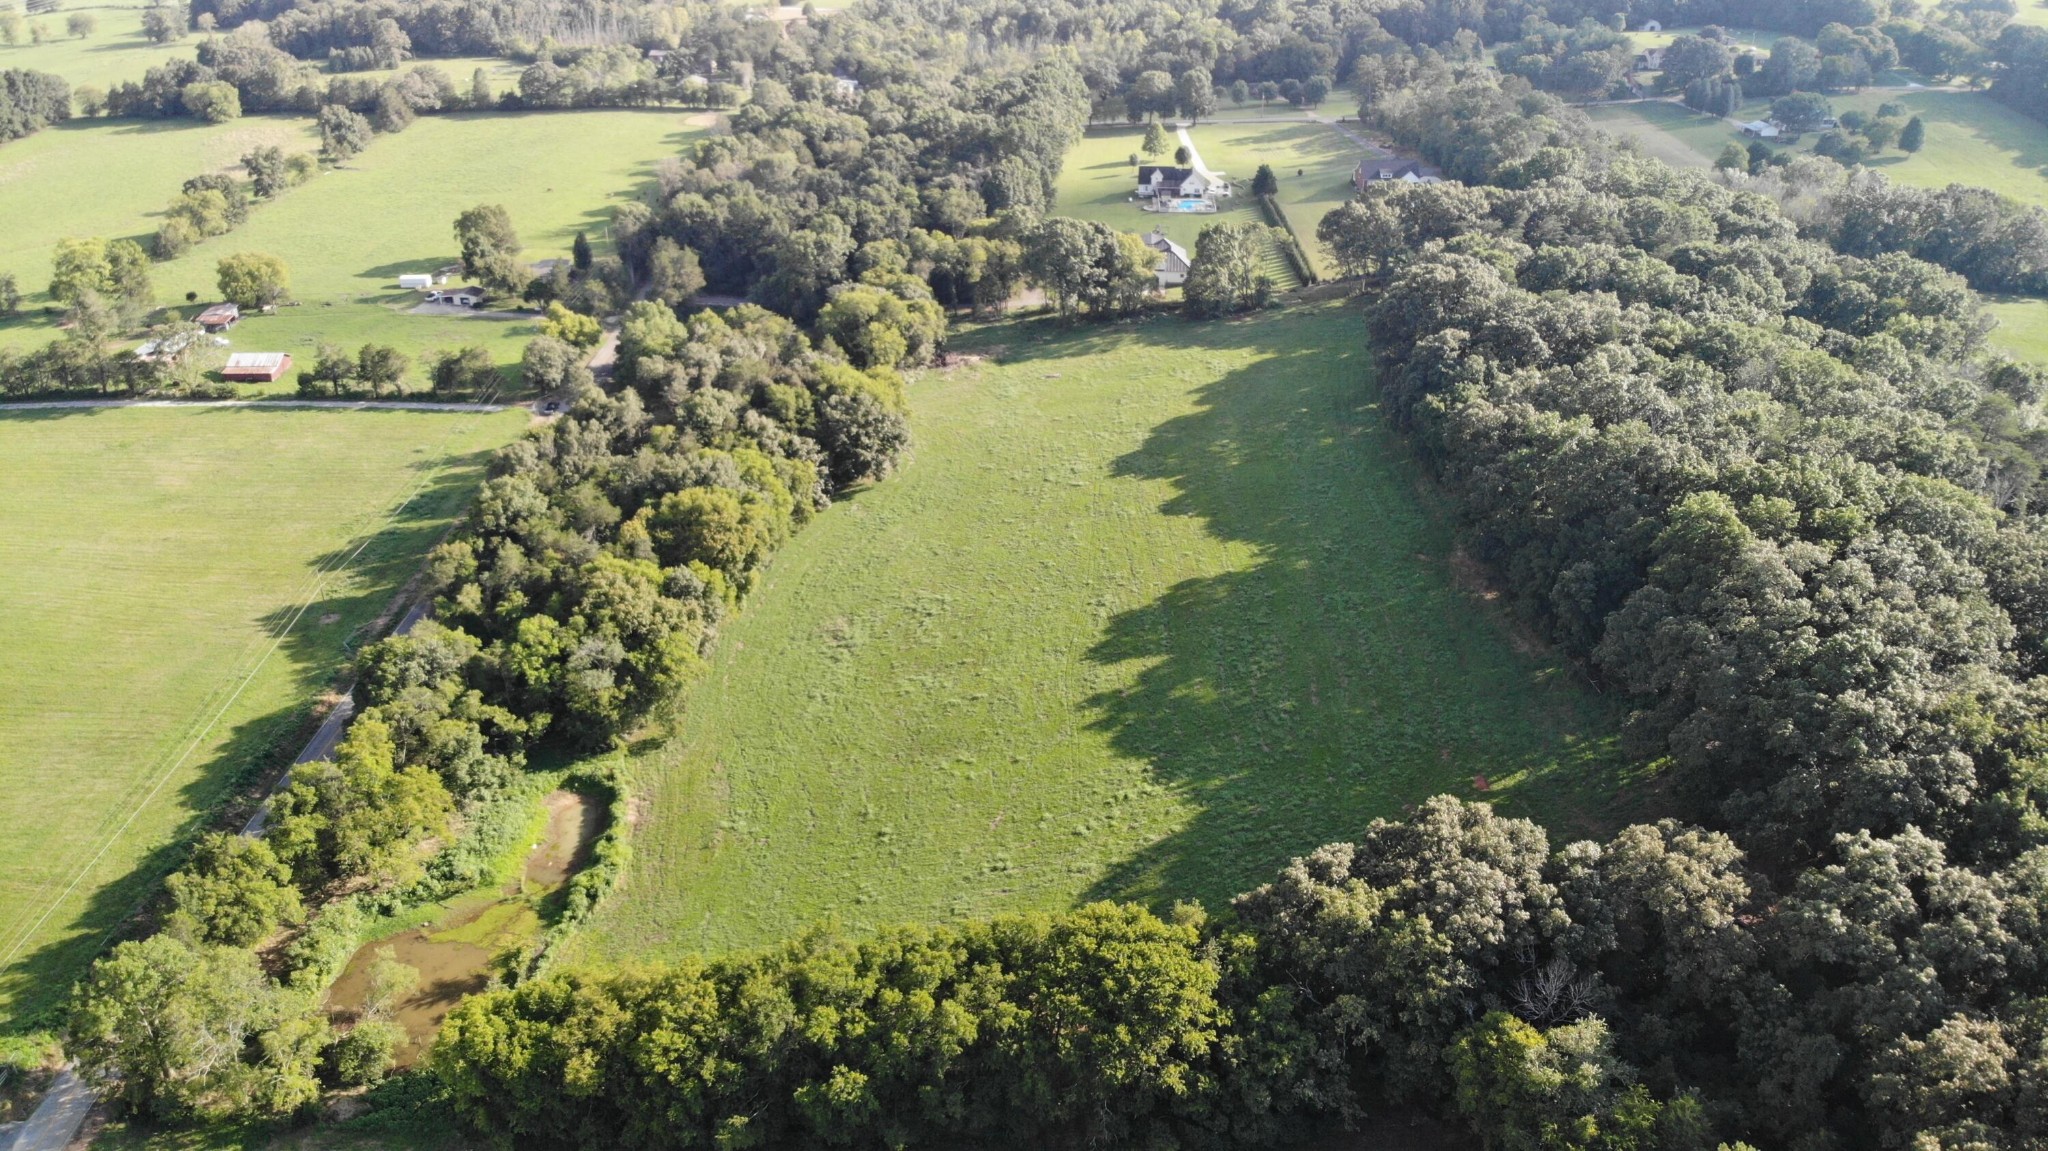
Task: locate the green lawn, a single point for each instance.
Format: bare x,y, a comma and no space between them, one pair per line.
180,584
1152,608
1971,138
1313,161
115,51
1098,183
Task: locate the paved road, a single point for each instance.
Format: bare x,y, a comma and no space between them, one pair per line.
57,1119
321,746
334,405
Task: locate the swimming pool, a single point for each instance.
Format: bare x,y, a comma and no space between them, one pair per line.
1187,206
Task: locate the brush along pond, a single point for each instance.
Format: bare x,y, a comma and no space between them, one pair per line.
456,951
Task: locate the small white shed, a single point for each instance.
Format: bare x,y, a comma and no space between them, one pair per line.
416,283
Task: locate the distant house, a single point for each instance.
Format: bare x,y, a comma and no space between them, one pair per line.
1370,172
657,54
1159,180
256,367
464,297
1650,60
845,87
220,317
1761,129
1173,259
1652,26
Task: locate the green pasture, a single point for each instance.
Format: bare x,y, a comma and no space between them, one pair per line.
1151,609
1099,182
1314,163
349,232
109,178
1971,138
180,584
115,51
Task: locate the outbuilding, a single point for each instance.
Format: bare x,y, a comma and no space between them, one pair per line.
256,367
465,297
415,283
220,317
1761,129
1174,263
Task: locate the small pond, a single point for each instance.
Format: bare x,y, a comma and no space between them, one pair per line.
453,954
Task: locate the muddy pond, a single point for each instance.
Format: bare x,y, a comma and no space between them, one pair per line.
453,954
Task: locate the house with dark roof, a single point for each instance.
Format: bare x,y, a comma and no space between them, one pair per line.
1173,263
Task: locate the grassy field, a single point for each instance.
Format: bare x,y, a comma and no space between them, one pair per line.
115,51
180,584
1153,608
350,232
1971,138
1098,181
109,178
1313,161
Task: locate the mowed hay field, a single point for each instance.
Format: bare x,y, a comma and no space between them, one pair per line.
1314,163
1152,609
110,178
116,50
347,234
1098,181
180,584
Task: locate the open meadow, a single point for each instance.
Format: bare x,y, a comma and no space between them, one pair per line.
110,178
1098,182
347,234
181,584
114,51
1971,138
1153,608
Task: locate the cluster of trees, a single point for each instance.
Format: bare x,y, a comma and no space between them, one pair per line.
1585,61
1997,243
216,203
31,101
1777,492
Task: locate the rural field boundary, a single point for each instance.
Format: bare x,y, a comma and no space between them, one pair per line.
316,585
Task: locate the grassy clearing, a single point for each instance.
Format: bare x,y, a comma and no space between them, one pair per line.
1098,182
115,51
1154,608
1313,161
155,566
2022,327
